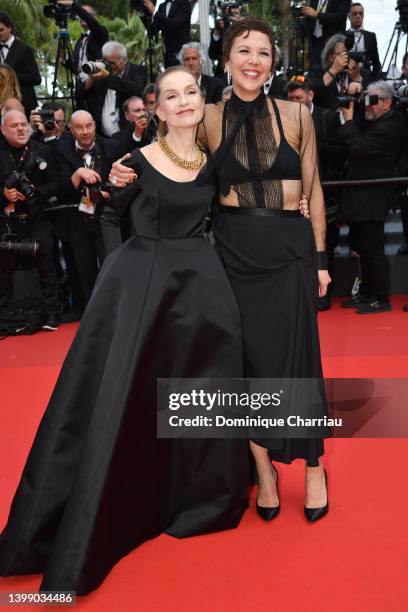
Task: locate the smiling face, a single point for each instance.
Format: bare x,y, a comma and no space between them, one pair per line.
250,63
180,101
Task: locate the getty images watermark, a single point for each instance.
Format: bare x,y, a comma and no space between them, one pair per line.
282,408
220,400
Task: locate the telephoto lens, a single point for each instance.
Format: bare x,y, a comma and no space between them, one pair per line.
11,243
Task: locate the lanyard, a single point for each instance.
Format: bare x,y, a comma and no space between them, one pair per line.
17,166
322,6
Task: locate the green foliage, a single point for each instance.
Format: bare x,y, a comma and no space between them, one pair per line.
112,8
132,34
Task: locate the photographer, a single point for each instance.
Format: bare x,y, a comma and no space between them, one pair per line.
173,20
110,83
325,18
372,152
192,56
28,178
364,41
230,14
338,75
134,135
89,46
149,98
331,159
49,123
85,161
21,57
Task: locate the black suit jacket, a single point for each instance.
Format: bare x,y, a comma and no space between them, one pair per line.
331,151
372,61
21,58
98,36
331,155
126,142
130,84
45,181
326,97
213,88
372,152
215,54
69,161
278,87
333,21
175,28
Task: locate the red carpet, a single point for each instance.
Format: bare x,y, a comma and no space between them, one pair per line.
355,558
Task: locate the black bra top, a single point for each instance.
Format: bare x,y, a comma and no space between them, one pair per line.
249,159
286,165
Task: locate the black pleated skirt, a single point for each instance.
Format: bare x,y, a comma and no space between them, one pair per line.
270,259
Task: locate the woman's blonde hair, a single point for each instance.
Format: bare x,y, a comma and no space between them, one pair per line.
11,88
162,129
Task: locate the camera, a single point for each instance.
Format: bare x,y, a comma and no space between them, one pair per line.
59,13
94,192
360,100
21,182
400,95
47,119
94,67
296,7
402,7
139,7
357,56
221,9
11,243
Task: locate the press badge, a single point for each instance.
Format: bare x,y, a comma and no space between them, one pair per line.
86,206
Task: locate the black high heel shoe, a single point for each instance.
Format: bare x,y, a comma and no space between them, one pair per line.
314,514
268,513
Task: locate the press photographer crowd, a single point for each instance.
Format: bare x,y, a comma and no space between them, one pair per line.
55,161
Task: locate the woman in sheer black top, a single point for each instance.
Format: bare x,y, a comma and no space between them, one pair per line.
264,155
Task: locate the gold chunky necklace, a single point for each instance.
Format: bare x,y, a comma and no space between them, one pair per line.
195,164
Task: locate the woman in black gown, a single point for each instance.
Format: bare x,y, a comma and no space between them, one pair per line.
97,481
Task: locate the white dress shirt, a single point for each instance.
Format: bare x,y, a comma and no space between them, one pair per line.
4,51
110,114
321,8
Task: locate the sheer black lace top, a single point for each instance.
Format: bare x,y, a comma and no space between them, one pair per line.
249,160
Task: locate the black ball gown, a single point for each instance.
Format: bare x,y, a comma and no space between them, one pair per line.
97,481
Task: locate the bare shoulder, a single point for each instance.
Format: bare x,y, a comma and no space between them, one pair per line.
292,110
150,152
209,130
213,112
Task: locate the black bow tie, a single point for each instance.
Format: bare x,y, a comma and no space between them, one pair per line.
83,152
4,46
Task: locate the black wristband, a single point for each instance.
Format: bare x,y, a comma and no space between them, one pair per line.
322,260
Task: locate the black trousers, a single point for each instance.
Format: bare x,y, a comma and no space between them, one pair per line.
404,215
89,251
170,59
332,240
44,262
367,239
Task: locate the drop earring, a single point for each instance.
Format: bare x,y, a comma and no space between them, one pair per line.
229,78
